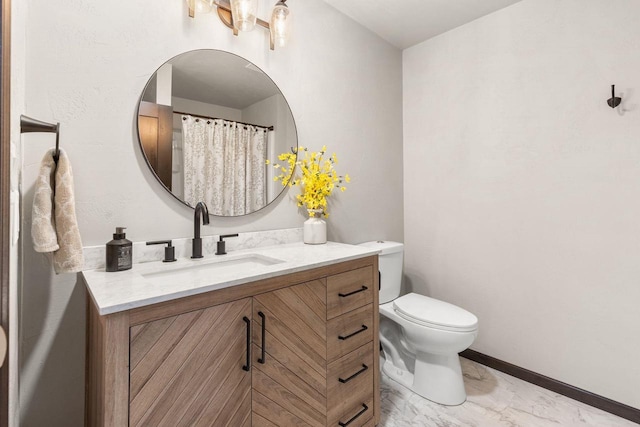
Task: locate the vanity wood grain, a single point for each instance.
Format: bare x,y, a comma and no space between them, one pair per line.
186,370
179,363
293,374
349,290
347,388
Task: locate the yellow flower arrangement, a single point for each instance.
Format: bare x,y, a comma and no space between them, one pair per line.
317,179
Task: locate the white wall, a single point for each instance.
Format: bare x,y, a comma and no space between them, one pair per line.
87,67
522,187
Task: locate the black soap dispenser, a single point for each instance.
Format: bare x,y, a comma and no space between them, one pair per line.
119,252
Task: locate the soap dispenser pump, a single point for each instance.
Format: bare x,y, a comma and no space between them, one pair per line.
119,252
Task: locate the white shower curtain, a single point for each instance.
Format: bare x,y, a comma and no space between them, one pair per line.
224,165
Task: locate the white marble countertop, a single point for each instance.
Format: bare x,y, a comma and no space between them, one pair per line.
154,282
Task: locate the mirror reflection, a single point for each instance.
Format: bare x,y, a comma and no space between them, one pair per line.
207,122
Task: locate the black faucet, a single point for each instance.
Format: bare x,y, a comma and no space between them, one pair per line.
201,211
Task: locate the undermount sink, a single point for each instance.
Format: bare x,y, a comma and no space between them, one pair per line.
199,270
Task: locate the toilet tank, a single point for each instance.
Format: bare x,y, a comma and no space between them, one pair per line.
390,266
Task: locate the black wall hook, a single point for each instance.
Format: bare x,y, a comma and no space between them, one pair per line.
614,101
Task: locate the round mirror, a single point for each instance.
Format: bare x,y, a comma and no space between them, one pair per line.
208,121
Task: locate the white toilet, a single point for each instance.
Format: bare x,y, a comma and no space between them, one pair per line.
421,336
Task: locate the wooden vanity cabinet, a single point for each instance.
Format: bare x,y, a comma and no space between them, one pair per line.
188,369
312,359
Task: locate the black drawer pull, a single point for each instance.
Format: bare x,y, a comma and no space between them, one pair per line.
362,289
364,328
362,411
364,368
264,327
247,367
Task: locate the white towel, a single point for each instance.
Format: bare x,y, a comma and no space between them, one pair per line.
54,226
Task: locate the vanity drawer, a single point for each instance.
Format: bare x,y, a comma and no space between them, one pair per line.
349,385
349,331
348,291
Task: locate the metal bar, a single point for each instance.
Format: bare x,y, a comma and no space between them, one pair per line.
247,367
30,125
364,328
362,411
263,24
346,380
264,328
364,288
269,128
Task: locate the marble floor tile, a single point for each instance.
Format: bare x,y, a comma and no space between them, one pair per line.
494,399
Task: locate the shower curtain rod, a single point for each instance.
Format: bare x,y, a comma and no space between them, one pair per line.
269,128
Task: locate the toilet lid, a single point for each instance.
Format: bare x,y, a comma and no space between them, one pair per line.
434,313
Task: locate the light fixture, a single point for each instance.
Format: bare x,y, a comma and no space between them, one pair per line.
280,24
244,13
199,6
241,15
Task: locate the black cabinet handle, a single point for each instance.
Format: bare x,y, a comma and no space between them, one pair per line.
362,411
264,327
247,367
364,328
346,380
362,289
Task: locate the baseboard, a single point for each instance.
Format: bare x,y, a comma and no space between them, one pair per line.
591,399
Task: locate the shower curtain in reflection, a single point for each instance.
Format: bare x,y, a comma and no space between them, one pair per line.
224,165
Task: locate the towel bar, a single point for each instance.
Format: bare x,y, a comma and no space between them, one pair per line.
28,125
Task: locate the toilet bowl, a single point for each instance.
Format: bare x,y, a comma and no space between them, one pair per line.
421,336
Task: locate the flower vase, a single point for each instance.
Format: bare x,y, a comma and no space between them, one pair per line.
315,228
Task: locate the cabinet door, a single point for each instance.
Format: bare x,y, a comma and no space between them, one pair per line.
289,383
189,370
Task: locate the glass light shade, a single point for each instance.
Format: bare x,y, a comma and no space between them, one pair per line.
203,6
200,6
244,14
280,24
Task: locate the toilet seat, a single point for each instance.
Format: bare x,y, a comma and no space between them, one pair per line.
433,313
